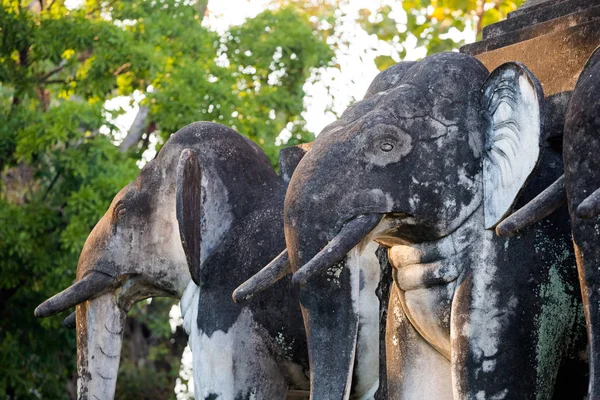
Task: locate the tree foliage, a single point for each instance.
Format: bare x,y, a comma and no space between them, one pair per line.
60,162
437,25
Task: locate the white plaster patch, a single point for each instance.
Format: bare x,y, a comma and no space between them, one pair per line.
105,321
484,329
417,371
366,372
378,195
236,361
189,306
464,180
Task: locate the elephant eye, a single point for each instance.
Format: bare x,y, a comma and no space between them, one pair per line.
120,210
386,147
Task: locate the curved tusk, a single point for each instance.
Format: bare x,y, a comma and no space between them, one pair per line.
70,321
590,207
90,286
537,209
350,235
266,277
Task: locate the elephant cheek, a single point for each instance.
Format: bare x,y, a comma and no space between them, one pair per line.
99,337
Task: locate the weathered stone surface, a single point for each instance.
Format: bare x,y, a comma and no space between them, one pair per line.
471,314
531,31
544,12
229,214
529,3
552,38
582,177
566,50
532,5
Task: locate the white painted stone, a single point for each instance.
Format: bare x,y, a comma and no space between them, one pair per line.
105,321
366,372
513,140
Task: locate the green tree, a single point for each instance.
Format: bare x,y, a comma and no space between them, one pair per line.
61,161
437,25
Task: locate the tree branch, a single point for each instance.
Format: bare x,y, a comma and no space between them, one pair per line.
136,131
200,6
55,81
122,69
56,70
36,6
52,184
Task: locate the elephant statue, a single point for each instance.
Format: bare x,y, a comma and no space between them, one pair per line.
579,189
208,208
428,168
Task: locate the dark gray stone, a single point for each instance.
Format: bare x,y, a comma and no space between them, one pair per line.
529,6
582,163
545,12
412,155
228,203
529,31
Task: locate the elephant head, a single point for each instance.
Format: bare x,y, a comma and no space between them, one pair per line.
427,168
135,251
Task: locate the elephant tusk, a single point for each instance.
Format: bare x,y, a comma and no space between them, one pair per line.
70,321
266,277
350,235
590,207
537,209
90,286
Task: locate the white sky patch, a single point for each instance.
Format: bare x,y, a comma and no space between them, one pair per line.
225,13
129,106
72,4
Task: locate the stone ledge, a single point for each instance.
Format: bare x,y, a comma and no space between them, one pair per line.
556,59
530,32
526,8
544,12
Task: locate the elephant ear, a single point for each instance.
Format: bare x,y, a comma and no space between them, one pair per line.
513,101
189,202
289,158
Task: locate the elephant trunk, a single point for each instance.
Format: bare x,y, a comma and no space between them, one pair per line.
329,295
100,324
98,318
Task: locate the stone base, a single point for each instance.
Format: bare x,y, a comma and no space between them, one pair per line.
553,39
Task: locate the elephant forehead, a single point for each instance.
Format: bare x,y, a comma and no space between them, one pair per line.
405,129
410,101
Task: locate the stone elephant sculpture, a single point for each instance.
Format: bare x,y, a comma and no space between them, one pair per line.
428,168
215,192
578,187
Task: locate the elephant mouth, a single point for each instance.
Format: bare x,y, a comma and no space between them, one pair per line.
352,233
396,227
